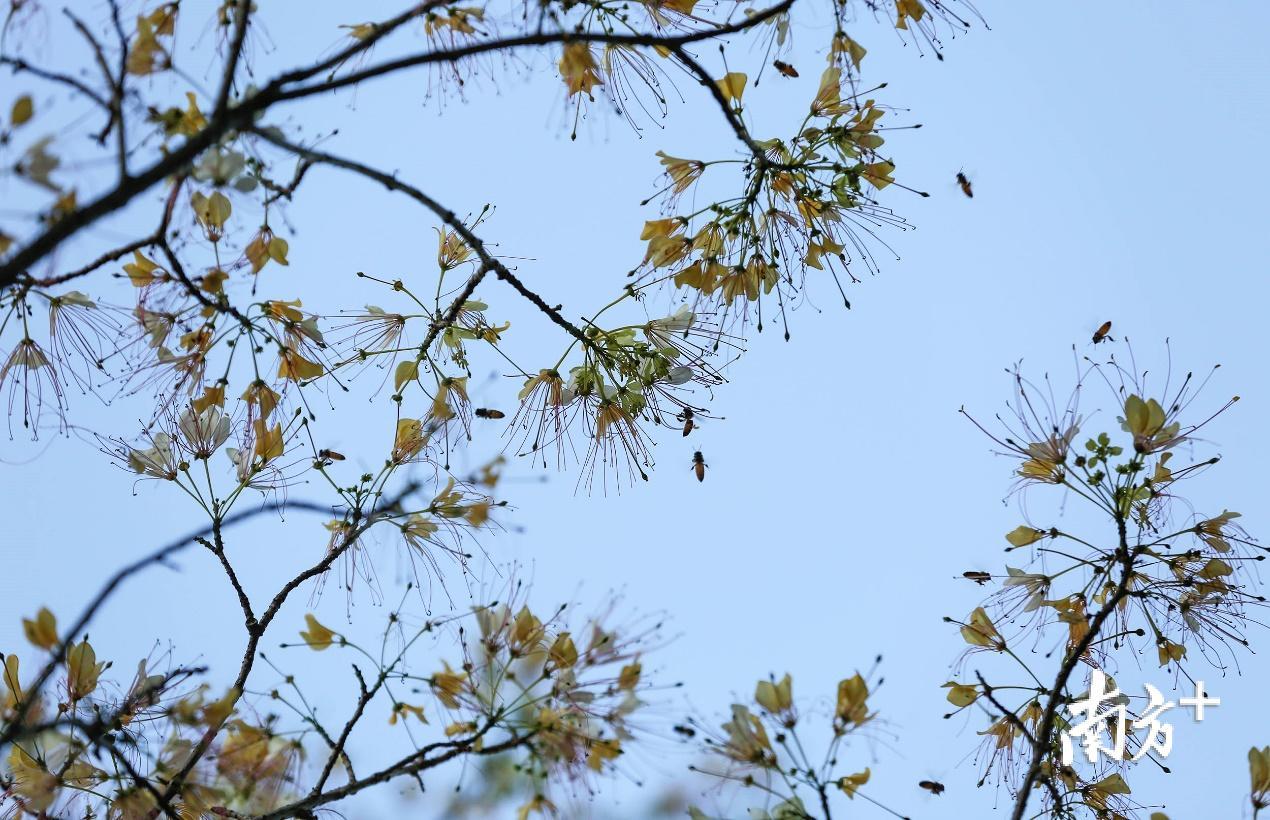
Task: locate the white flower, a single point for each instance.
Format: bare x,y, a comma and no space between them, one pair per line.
204,432
660,332
242,463
1036,585
219,168
158,461
679,375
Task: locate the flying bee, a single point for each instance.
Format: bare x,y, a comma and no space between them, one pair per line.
963,182
699,465
327,457
687,418
978,576
488,413
931,786
785,69
1101,333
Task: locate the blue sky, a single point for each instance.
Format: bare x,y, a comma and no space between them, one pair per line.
1118,160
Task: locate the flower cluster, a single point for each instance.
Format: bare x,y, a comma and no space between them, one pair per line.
1165,582
762,749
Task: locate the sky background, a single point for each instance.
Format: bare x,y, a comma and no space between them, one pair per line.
1117,154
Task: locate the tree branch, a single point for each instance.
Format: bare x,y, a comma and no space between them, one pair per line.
488,261
1046,727
414,763
241,115
14,728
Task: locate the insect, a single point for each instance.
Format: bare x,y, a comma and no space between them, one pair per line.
1101,333
978,576
327,457
931,786
687,418
699,465
963,182
489,413
785,68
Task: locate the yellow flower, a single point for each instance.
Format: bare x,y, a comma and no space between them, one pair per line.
1003,731
961,694
212,211
451,249
42,631
1170,651
462,727
563,653
828,99
1021,536
579,69
629,676
82,670
732,86
141,271
602,750
32,782
842,44
775,697
979,631
1259,769
1150,426
747,739
269,441
1098,793
145,54
13,689
409,441
852,706
851,783
908,9
537,805
293,366
683,172
666,244
403,710
264,247
447,685
261,396
317,636
1213,531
